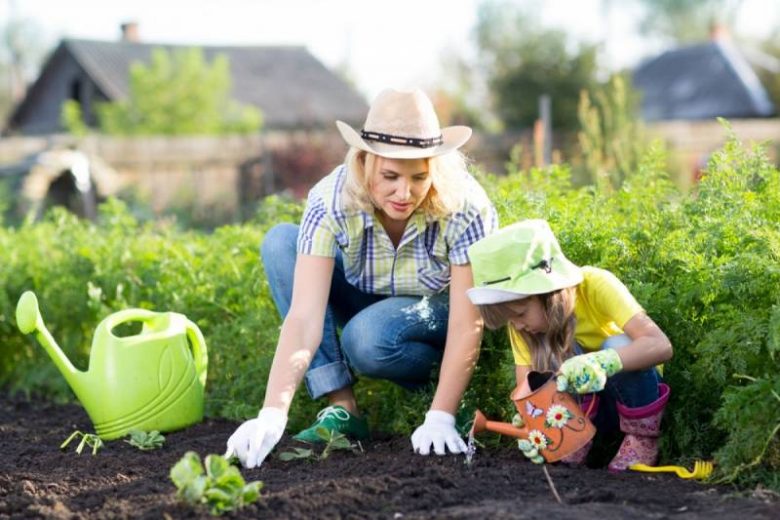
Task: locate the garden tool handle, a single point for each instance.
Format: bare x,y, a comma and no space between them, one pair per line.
656,469
199,352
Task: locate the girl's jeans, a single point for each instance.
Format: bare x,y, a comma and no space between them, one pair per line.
399,338
632,389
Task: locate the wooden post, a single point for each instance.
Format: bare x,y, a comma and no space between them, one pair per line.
545,116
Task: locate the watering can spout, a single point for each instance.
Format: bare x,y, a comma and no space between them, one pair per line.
481,424
28,319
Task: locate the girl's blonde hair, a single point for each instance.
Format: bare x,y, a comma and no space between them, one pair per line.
446,195
549,349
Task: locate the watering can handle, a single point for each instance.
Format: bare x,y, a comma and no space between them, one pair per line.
592,394
129,315
199,353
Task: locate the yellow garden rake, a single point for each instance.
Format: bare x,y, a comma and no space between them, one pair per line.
701,470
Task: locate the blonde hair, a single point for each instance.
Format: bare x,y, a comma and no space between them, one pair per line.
549,349
445,196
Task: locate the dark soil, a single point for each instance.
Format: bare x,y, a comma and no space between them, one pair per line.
37,480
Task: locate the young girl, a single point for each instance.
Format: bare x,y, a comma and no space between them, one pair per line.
582,323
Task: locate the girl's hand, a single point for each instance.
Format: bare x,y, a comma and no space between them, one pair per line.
588,373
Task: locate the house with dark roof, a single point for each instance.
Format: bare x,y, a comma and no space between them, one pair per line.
701,81
287,83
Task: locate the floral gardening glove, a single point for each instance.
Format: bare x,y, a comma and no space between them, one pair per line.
588,373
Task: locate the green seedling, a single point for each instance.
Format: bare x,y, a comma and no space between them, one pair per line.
87,439
219,486
298,453
333,441
146,441
336,441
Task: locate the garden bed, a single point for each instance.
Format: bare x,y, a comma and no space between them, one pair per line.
387,480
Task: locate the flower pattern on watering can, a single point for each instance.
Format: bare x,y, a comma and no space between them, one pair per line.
556,424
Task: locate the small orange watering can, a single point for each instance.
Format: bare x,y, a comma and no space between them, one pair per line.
552,421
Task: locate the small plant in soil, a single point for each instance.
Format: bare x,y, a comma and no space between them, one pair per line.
87,439
219,486
146,441
333,441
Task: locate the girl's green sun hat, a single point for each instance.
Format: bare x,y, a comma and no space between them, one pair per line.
518,261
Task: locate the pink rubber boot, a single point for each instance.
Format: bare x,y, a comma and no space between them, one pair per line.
642,427
590,405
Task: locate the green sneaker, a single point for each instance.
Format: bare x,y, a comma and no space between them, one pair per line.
338,419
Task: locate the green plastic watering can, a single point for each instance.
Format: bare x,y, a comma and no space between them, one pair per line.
150,381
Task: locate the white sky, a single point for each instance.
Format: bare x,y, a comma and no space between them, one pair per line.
396,43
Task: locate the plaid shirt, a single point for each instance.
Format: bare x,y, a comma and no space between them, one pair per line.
420,265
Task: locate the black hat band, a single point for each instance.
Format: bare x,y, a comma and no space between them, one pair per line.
403,141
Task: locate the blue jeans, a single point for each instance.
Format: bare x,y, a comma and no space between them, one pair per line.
398,338
632,389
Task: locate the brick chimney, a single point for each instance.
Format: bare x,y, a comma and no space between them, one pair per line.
130,32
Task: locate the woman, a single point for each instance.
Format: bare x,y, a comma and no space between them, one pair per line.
381,252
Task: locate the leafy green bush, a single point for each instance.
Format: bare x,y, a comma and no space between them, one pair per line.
705,265
611,137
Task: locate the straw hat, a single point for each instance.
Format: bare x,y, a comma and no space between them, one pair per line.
519,261
403,125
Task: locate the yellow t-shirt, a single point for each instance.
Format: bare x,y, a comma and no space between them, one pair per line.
602,308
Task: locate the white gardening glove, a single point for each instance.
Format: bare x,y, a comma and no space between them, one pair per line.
255,438
439,430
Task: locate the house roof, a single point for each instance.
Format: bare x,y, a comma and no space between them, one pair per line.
289,85
701,81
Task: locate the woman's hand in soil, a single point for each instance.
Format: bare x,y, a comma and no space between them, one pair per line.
439,430
254,440
588,373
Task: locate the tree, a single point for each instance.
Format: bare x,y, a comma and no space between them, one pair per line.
611,137
685,20
523,60
6,99
22,49
177,93
461,93
769,74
